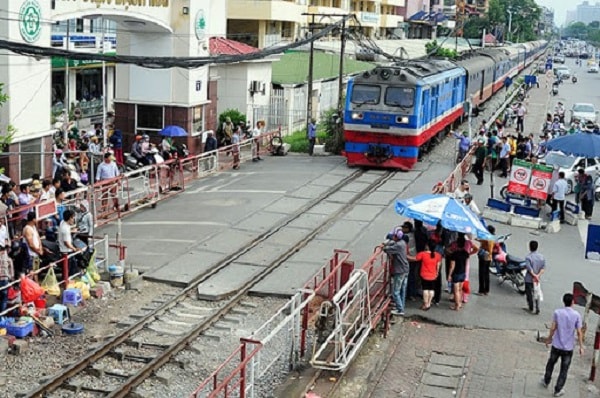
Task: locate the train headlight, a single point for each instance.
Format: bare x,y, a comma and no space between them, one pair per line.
402,119
357,115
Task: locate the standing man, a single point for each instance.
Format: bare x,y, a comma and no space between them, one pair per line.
34,243
559,194
256,132
235,149
312,136
65,240
116,140
504,157
521,110
463,146
485,261
535,267
209,146
565,322
395,248
480,156
107,170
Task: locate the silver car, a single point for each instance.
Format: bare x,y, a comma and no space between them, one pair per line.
584,112
570,164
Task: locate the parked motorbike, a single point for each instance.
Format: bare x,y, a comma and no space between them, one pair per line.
508,267
132,163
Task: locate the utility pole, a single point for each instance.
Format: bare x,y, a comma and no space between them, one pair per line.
104,97
309,104
341,73
67,106
508,34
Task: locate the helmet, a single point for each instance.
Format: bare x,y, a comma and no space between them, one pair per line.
468,196
138,137
146,137
58,152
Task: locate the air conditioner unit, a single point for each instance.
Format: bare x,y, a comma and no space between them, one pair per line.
255,86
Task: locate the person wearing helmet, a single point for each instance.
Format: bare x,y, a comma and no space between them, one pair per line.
58,163
136,150
470,203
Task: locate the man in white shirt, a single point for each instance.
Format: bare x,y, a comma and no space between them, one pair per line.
521,111
256,132
65,240
462,190
559,194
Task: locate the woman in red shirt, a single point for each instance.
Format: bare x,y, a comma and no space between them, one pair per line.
430,267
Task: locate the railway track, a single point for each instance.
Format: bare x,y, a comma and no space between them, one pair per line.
173,322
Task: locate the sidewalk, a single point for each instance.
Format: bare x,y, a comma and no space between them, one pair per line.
428,360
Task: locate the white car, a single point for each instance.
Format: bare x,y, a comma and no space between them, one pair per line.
570,164
593,68
563,72
584,112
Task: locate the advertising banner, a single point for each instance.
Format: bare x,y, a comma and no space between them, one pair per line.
541,181
520,175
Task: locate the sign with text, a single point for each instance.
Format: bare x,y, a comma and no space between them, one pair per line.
540,184
520,175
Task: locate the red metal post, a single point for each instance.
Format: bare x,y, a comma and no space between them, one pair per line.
65,261
243,370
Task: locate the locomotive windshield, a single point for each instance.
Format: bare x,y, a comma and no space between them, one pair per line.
402,97
365,94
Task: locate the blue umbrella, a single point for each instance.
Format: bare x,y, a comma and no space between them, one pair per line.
452,213
173,131
586,145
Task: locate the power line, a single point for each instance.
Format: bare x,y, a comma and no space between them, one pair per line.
163,62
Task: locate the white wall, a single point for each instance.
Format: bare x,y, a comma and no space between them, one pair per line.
234,84
27,81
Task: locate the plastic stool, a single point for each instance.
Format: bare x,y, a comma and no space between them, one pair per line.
72,296
59,313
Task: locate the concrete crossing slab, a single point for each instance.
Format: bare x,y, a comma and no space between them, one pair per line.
308,191
262,254
288,236
317,251
227,241
327,180
341,197
185,269
227,281
363,213
326,208
307,221
344,230
286,205
356,186
383,198
287,279
260,222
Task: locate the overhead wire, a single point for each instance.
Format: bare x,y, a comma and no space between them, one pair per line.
163,62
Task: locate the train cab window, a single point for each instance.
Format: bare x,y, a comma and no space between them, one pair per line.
365,94
402,97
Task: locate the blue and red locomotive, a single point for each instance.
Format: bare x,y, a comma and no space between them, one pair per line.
393,112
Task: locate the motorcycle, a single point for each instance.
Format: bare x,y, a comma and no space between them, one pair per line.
574,79
554,89
153,157
508,267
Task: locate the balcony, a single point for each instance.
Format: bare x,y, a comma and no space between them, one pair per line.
398,3
391,21
265,10
370,19
326,10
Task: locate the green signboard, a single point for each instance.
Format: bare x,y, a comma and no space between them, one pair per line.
59,62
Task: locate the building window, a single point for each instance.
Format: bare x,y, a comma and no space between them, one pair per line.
197,120
79,25
149,118
31,158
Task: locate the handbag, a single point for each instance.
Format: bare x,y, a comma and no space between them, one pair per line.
537,292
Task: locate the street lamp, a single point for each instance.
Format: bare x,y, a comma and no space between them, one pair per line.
509,23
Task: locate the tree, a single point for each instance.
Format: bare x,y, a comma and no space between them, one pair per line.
474,27
577,29
7,135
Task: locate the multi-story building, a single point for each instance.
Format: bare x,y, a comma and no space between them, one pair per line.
79,83
264,23
546,24
587,13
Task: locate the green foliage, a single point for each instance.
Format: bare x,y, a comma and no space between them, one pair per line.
433,49
235,115
525,17
298,141
474,27
332,125
6,137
